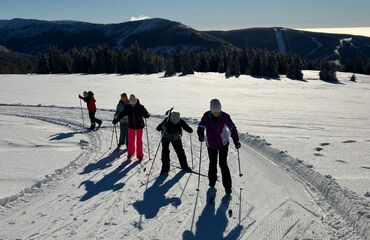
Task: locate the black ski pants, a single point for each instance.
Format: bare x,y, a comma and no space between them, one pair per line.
93,119
212,171
177,145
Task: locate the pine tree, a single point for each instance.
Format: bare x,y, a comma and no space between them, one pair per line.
328,72
264,66
221,64
357,65
367,69
170,67
353,78
254,68
187,67
294,70
42,66
273,67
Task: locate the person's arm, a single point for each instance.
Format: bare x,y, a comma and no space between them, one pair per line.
160,126
144,112
186,127
121,115
201,127
234,132
82,97
117,110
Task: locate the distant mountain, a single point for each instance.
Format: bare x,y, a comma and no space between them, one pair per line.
302,43
32,36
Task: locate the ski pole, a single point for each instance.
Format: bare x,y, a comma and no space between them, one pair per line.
82,114
111,141
240,206
115,133
147,137
200,164
191,150
240,173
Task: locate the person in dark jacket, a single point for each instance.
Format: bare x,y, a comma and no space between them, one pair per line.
123,123
89,98
215,123
171,128
135,112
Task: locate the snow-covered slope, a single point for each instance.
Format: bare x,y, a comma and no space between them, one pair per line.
278,197
96,198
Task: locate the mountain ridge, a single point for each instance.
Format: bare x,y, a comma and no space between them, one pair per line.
32,36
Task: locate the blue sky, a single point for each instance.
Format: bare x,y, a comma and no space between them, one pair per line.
202,15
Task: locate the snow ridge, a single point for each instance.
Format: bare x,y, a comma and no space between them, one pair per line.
59,172
353,208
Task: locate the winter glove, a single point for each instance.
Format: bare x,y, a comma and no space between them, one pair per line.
115,121
237,145
191,130
159,128
201,138
146,115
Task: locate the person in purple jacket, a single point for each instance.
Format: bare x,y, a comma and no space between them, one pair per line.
215,123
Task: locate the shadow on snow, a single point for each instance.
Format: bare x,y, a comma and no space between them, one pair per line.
61,136
212,224
108,182
155,196
104,162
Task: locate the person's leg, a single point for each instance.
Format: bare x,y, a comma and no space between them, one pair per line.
212,171
125,137
131,142
165,156
139,144
121,134
177,145
226,177
98,121
92,119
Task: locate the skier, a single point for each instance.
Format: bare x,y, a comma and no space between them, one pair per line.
215,122
123,123
89,98
135,112
171,128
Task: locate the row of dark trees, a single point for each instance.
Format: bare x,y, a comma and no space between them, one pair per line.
136,60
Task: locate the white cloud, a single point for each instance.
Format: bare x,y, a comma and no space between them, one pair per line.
141,17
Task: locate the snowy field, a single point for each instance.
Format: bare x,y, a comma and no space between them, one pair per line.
77,185
326,125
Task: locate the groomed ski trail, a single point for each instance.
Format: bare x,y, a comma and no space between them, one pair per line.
95,198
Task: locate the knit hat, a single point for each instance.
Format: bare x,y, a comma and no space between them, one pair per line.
215,105
124,97
132,100
175,117
85,94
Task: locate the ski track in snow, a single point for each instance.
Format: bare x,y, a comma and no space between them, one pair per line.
93,198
